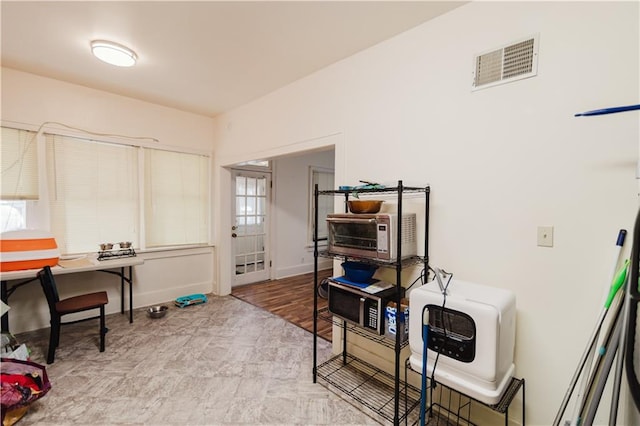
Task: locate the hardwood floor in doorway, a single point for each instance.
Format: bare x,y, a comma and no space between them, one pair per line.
290,298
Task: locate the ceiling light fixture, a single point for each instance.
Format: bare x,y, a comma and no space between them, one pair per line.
113,53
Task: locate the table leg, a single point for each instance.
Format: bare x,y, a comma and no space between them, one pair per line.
123,277
122,290
5,292
130,294
3,295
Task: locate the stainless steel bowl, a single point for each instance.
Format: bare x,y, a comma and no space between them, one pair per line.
157,311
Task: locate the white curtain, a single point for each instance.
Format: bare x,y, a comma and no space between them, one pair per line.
176,202
93,193
19,162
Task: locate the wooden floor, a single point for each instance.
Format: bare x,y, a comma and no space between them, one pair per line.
289,298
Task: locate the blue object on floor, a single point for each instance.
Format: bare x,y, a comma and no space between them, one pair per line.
192,299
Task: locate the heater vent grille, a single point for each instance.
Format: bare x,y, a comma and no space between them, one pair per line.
509,63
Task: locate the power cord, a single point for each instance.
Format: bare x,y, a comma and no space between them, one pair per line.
423,278
438,272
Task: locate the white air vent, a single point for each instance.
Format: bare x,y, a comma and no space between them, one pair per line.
509,63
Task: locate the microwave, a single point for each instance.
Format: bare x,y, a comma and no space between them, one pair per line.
371,236
359,307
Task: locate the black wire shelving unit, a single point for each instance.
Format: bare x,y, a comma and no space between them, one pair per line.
384,393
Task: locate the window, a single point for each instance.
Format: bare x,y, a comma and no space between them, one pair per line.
13,215
259,164
176,198
251,200
19,165
93,193
324,178
103,191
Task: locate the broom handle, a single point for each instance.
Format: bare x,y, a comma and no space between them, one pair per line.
622,346
581,397
593,339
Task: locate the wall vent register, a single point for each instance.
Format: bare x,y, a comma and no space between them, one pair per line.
512,62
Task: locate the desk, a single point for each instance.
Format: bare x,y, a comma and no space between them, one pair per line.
122,266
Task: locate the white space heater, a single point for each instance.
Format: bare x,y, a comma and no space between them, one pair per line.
474,332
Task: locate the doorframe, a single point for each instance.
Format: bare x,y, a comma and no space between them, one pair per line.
222,196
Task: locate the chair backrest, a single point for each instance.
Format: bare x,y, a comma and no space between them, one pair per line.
48,284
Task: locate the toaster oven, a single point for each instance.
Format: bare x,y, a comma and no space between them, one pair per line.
372,236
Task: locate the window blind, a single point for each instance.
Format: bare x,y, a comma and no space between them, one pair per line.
19,164
93,193
176,198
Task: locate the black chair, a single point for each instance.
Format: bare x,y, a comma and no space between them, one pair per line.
59,308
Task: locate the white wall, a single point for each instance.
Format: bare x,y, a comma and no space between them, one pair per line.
501,161
33,100
292,252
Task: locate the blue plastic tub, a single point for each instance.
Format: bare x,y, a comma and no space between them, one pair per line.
358,272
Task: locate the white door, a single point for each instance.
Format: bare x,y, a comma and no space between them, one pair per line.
249,231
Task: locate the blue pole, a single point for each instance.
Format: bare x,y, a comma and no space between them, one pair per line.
608,110
423,387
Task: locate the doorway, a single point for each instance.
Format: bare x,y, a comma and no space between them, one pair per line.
249,231
288,248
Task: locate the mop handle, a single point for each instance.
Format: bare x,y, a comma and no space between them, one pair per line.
587,356
582,394
619,243
619,279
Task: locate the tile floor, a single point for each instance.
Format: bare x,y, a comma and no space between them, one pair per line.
222,362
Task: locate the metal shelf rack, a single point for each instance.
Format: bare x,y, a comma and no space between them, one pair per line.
116,254
383,393
369,386
325,315
404,263
452,407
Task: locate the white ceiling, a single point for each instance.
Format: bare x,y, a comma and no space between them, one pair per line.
205,57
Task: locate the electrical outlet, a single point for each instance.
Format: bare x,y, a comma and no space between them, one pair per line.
545,236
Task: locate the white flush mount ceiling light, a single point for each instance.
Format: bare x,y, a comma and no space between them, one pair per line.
113,53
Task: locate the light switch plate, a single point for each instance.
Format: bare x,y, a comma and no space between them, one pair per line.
545,236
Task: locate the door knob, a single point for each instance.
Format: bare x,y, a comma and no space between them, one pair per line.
233,228
234,235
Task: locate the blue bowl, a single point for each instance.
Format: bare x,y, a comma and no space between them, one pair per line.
358,272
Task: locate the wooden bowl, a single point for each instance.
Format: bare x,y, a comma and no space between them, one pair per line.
365,206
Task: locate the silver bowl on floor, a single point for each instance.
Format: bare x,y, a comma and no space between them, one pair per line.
157,311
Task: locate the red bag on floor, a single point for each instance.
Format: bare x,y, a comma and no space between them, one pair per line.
22,383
